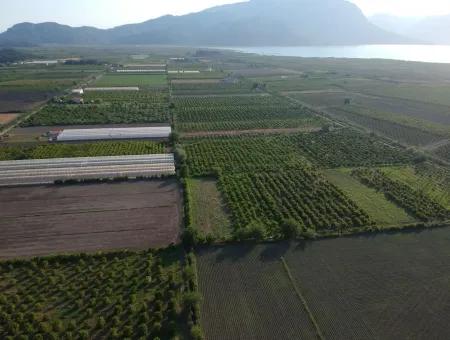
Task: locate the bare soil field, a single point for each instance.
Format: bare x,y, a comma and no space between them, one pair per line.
6,118
45,220
19,101
385,286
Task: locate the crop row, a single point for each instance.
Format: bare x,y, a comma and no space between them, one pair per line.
267,199
80,150
114,296
398,132
271,153
444,152
348,148
151,97
114,113
208,88
413,201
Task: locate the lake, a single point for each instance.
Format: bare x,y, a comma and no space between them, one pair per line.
424,53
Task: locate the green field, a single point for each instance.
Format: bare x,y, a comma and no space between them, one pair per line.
382,211
209,213
117,80
80,150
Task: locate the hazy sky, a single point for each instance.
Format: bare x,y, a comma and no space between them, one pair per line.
109,13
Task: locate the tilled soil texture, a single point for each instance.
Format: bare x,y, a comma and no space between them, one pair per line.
46,220
385,286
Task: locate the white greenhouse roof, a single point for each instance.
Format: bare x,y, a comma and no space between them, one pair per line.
25,172
114,133
123,88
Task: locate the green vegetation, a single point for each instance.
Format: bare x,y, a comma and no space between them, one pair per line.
269,199
208,208
144,80
114,113
432,184
348,148
80,150
398,132
241,113
207,88
115,296
415,202
380,210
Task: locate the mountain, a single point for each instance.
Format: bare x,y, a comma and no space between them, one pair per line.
426,29
252,23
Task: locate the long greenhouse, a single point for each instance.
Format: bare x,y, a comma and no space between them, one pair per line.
46,171
160,132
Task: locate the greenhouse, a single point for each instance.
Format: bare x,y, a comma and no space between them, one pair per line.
160,132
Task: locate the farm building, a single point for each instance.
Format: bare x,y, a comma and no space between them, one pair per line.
114,133
44,171
77,91
146,65
123,88
184,71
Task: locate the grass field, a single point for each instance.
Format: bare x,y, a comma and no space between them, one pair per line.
208,208
366,287
113,80
382,211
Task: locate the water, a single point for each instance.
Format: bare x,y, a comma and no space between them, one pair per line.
424,53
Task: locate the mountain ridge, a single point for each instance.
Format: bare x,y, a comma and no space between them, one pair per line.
257,22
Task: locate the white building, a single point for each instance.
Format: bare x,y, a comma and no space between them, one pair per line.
78,91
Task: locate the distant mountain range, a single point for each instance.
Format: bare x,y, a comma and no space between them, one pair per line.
253,23
426,29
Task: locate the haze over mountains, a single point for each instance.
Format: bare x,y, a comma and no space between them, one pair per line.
253,23
430,29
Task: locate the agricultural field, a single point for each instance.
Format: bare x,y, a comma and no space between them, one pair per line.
113,295
208,209
402,133
118,80
380,210
415,201
444,151
430,179
241,113
362,287
103,113
206,88
412,123
45,151
267,181
44,220
23,88
6,118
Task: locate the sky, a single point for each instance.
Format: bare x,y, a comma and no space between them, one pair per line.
110,13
